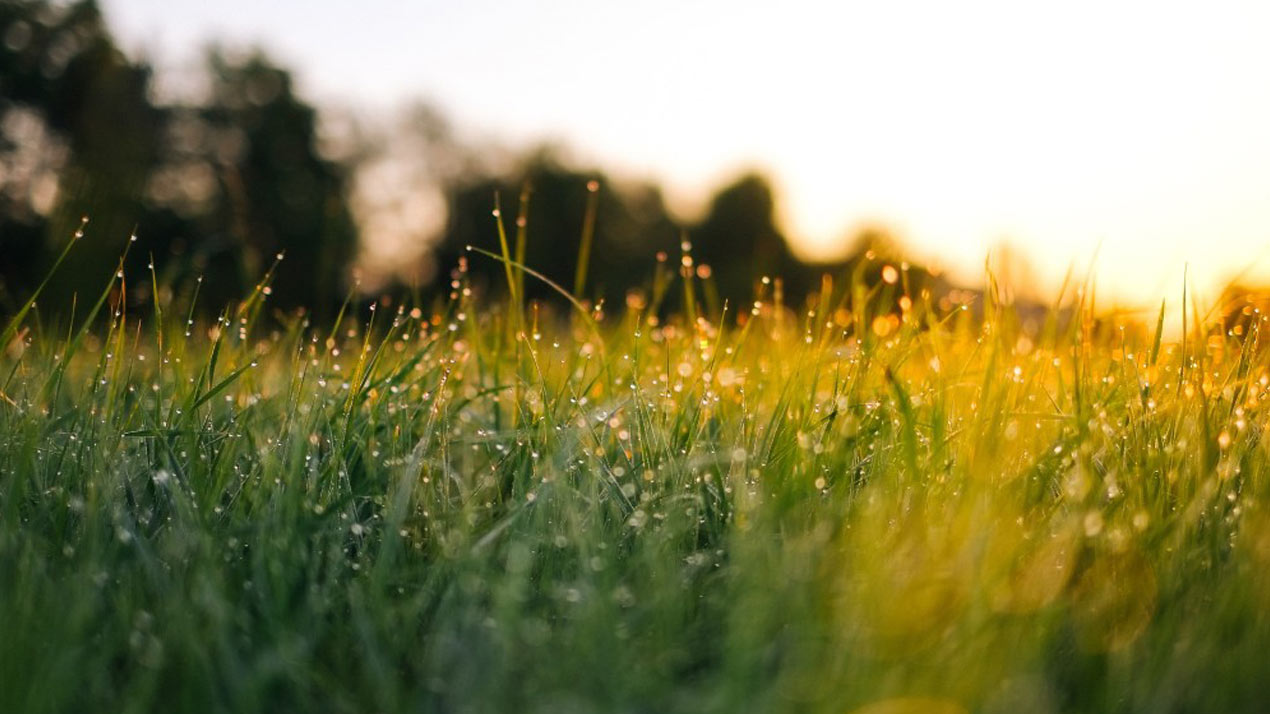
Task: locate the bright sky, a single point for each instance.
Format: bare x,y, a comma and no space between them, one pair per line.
1139,126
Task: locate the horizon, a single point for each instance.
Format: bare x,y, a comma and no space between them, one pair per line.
1133,133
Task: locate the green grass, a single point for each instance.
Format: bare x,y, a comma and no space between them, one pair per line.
491,507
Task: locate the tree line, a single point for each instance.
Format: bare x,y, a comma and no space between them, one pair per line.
220,185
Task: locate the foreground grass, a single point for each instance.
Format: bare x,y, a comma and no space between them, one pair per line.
478,508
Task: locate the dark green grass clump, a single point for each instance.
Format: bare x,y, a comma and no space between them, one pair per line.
478,508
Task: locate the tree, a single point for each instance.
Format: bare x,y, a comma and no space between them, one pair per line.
631,226
214,188
78,136
265,188
740,241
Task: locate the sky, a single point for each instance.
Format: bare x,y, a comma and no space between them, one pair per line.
1132,136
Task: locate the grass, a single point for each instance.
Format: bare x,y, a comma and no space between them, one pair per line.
494,507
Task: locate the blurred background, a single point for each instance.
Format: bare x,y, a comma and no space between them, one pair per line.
368,140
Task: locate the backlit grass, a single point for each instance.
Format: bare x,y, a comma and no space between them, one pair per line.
488,506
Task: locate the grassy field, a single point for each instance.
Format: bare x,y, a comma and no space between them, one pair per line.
488,506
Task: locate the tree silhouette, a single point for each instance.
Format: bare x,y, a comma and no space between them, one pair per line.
631,227
740,241
274,193
216,187
80,131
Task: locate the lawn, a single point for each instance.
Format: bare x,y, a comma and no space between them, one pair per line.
487,504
